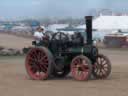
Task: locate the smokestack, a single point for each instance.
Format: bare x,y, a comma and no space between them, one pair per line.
89,29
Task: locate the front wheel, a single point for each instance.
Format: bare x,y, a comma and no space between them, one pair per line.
102,67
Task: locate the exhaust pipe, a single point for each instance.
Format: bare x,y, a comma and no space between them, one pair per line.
88,20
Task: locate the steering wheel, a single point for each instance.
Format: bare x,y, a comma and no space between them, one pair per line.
60,36
58,41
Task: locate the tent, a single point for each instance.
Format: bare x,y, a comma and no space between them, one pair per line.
104,25
109,23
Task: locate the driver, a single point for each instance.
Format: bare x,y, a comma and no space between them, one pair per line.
39,34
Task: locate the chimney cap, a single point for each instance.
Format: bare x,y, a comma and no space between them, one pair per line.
88,17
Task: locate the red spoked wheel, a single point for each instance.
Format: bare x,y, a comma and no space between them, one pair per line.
81,68
38,63
102,67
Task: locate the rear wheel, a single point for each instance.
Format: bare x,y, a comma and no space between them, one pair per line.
81,68
38,63
102,67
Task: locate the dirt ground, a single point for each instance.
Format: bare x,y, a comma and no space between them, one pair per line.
15,82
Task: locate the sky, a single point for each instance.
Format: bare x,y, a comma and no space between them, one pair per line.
22,9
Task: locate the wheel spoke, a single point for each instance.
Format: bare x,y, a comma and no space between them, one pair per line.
43,58
34,69
39,55
76,62
44,68
84,68
32,59
34,54
102,60
98,61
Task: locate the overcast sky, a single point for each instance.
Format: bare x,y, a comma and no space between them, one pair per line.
21,9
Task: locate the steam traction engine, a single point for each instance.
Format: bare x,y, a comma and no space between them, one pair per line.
60,55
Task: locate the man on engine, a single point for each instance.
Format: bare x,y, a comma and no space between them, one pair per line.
39,34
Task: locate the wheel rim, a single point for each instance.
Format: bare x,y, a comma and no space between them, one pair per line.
37,64
80,68
102,67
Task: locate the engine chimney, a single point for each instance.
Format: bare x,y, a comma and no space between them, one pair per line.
89,29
